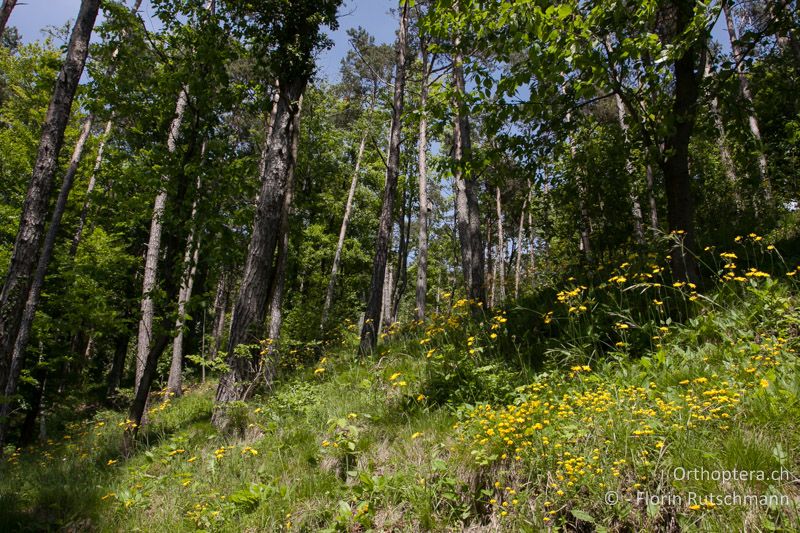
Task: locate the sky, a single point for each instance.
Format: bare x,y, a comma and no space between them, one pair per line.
32,16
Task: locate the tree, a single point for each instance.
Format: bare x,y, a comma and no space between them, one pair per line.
26,247
296,34
372,314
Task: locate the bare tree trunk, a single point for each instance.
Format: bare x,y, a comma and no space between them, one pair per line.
154,247
250,307
467,212
501,249
677,181
636,208
337,257
279,282
24,260
5,12
26,322
369,333
744,86
400,281
422,164
174,381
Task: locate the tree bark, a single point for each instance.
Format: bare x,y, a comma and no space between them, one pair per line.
25,256
174,381
5,12
154,246
337,257
279,281
744,86
372,316
467,212
422,164
675,166
251,303
28,314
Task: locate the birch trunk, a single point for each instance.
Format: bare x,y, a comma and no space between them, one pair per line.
372,314
337,257
154,246
24,259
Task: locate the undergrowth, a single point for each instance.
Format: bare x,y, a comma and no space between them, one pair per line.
628,403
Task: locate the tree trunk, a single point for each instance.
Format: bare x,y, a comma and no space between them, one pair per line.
652,198
401,277
422,164
251,303
337,257
136,412
279,281
491,268
5,12
220,306
154,246
744,86
636,207
518,258
467,212
675,166
25,256
372,316
174,381
90,189
501,250
118,364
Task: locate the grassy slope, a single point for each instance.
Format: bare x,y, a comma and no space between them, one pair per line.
394,444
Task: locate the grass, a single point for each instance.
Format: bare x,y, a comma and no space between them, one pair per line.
627,415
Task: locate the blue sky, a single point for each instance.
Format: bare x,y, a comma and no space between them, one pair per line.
32,16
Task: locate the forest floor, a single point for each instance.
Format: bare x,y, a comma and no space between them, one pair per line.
691,426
